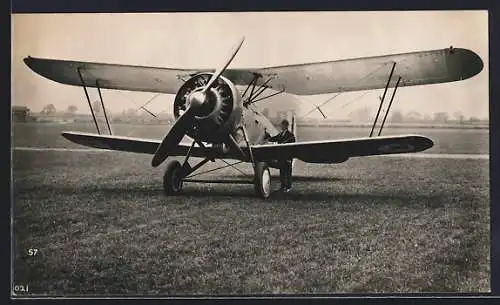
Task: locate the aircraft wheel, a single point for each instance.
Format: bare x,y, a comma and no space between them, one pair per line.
262,183
172,179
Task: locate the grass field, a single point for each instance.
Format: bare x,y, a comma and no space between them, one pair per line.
380,224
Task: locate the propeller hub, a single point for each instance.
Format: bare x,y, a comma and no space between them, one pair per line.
196,99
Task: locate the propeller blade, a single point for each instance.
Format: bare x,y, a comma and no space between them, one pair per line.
223,67
173,137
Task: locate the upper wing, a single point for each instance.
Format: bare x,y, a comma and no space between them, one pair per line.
122,77
110,76
416,68
330,151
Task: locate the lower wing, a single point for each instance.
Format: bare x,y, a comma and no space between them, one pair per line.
329,151
337,151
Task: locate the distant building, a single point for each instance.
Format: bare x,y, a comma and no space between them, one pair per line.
441,117
20,113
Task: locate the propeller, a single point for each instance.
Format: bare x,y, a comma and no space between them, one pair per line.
194,101
223,67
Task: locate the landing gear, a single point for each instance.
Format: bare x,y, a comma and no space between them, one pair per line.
173,178
262,180
177,173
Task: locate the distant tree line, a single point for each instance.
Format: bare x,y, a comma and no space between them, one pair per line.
49,113
367,114
50,109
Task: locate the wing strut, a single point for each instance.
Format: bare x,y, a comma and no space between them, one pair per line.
88,100
103,108
252,84
383,97
389,107
143,107
268,96
321,111
253,97
342,91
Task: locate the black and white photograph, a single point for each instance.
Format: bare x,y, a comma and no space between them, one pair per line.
250,153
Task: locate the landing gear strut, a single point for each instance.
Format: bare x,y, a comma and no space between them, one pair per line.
262,175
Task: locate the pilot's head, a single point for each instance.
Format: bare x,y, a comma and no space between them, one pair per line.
284,125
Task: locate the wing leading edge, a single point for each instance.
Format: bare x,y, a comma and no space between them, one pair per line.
330,151
366,73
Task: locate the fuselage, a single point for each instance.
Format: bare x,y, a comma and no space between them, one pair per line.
256,124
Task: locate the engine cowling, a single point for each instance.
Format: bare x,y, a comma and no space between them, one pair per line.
220,113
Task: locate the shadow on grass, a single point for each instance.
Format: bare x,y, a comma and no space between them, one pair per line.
217,193
88,190
298,198
304,178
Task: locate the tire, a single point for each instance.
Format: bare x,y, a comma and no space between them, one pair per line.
172,179
262,180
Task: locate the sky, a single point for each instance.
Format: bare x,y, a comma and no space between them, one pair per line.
202,40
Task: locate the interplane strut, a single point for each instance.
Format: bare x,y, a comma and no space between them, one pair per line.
103,108
90,104
88,100
389,107
382,99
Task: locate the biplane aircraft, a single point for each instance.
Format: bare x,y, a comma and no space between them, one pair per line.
224,123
